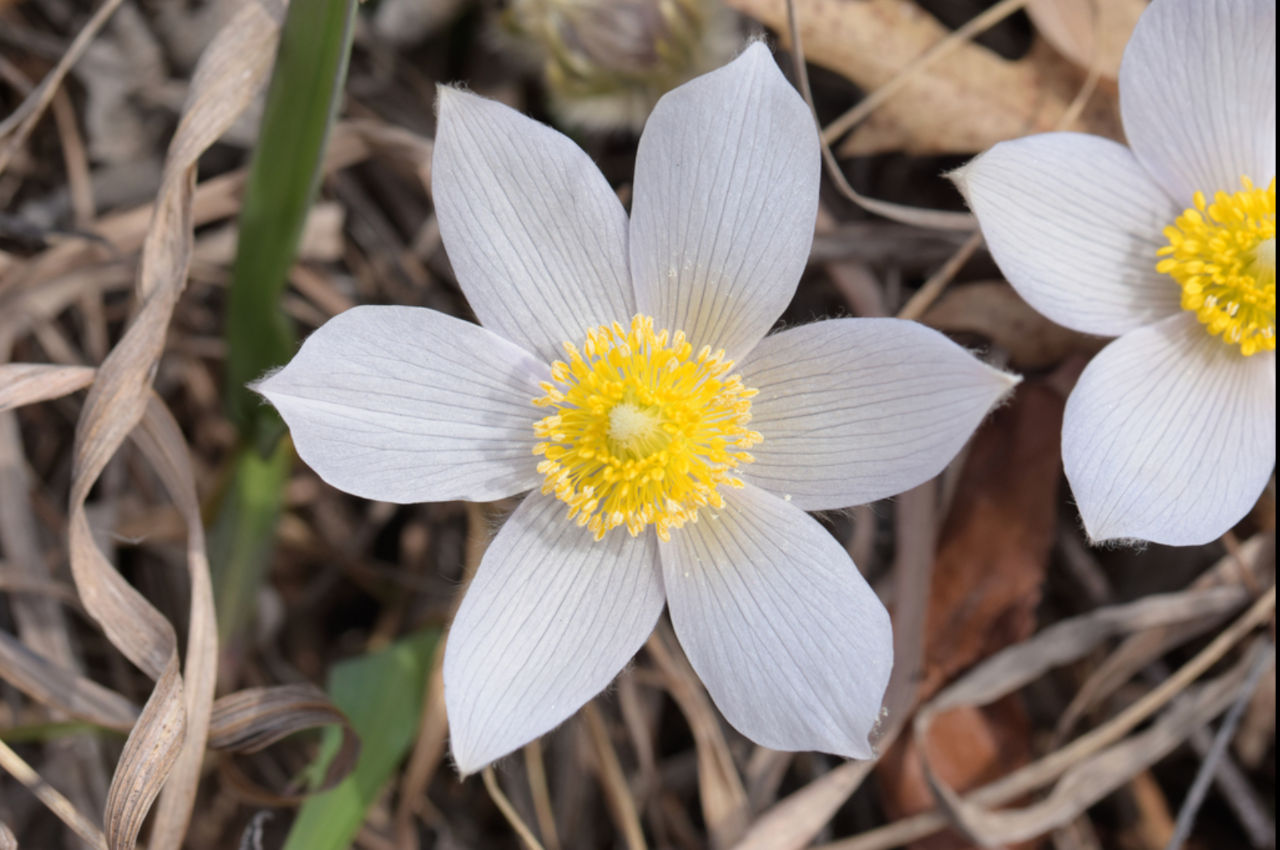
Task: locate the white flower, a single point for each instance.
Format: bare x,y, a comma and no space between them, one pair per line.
1169,435
639,434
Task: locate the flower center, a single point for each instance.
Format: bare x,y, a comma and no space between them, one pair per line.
1224,256
644,430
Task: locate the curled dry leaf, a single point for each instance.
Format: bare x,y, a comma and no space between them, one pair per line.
253,719
1091,33
163,753
965,102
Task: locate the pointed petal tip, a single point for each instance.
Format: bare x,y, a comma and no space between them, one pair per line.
448,95
465,760
1009,381
960,176
261,385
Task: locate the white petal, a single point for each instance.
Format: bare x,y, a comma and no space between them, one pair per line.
1074,223
726,194
1169,435
550,618
793,645
536,237
404,404
1198,94
853,410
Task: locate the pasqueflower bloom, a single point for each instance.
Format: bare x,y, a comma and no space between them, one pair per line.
1168,244
622,373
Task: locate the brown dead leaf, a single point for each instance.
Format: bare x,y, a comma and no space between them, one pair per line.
964,102
996,541
968,747
1073,28
992,309
991,560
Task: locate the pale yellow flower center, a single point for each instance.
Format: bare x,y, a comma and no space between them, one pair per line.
644,430
1224,256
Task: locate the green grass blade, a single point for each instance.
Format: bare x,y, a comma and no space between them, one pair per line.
302,101
242,533
381,693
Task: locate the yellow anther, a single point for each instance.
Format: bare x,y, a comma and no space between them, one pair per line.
1224,256
643,433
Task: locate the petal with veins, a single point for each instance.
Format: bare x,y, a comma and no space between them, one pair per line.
1169,435
1074,223
536,237
549,620
1198,94
726,193
854,410
793,645
405,404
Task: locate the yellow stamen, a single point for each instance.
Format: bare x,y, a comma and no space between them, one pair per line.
1224,256
644,430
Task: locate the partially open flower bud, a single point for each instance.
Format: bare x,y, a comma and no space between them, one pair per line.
606,62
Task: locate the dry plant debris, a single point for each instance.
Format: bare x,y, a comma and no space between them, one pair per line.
1048,694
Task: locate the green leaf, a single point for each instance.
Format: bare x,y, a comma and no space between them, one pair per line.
381,694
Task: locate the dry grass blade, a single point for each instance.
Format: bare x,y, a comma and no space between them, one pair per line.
160,439
1093,778
1091,770
621,805
794,821
253,719
222,86
12,764
7,839
1265,660
509,812
536,772
60,689
1017,665
15,129
31,383
1139,650
724,800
